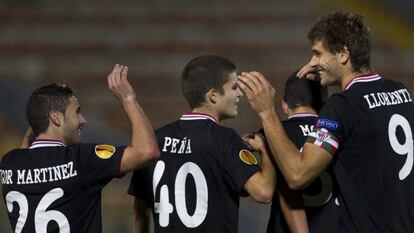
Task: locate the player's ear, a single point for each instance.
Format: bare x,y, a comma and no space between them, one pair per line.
211,96
56,117
344,55
285,107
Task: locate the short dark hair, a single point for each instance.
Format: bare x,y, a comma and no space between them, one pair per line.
202,74
52,97
342,29
304,92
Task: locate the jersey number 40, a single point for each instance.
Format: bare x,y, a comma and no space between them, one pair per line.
164,208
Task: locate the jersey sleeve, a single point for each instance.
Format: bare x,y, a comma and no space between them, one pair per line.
140,185
333,125
238,163
98,163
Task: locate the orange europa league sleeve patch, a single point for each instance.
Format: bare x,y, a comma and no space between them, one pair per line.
104,151
247,157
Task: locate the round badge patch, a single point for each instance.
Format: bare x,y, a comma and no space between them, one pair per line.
247,157
104,151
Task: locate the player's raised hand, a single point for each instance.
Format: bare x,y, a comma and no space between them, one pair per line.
258,90
309,71
119,84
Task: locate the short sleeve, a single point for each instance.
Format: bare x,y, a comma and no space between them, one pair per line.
140,185
98,163
238,163
333,125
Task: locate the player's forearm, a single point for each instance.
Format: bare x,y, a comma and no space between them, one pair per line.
141,224
268,174
140,218
287,157
292,207
143,140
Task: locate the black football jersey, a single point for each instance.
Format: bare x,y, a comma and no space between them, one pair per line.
196,184
51,187
318,197
372,123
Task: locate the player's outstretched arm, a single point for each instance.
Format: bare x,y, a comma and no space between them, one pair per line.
261,185
299,169
141,216
143,148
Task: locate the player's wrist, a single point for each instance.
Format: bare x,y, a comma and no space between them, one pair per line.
267,114
129,99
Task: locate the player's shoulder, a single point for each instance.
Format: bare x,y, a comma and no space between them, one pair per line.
12,153
223,131
82,146
167,129
299,120
339,100
394,84
91,148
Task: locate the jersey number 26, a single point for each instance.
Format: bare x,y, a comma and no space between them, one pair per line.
42,216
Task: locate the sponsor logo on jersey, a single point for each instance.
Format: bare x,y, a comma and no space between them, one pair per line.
247,157
104,151
328,124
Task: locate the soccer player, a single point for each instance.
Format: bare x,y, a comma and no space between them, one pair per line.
302,100
204,167
55,185
365,131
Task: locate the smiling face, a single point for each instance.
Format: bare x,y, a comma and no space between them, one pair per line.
73,122
227,102
328,64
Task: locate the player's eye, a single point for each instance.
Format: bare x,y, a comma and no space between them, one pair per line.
316,53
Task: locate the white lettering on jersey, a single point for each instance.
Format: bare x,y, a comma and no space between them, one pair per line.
388,98
38,175
5,176
177,146
306,129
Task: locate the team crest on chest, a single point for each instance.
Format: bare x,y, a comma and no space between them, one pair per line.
104,151
247,157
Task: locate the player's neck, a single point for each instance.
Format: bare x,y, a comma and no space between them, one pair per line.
350,75
50,136
301,110
208,111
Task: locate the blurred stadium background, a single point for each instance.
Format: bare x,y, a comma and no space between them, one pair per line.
78,42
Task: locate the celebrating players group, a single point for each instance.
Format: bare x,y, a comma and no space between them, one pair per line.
338,164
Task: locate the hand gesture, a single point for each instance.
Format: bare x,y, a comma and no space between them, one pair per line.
119,84
254,141
258,90
309,71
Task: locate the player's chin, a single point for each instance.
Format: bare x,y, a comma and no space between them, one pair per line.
76,139
234,113
229,115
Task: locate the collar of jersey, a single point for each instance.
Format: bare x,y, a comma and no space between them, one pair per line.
302,114
46,143
363,78
189,116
